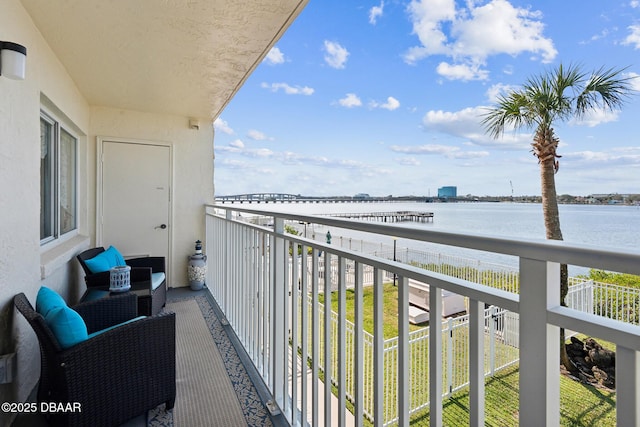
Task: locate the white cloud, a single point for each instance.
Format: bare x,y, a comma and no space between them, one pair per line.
375,12
635,80
259,152
256,135
336,55
634,36
623,156
350,101
447,151
222,126
596,117
634,3
463,34
462,71
237,144
499,89
233,164
408,161
239,148
289,90
391,104
466,123
427,18
274,57
424,149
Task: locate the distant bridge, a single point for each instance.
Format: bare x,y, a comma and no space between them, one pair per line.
297,198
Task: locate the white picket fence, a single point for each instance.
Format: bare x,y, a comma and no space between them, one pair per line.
501,341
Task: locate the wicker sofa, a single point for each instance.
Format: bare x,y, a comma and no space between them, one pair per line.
114,376
142,269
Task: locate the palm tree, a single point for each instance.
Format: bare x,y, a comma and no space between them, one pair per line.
556,96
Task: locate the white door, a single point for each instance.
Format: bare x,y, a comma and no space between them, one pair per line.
135,198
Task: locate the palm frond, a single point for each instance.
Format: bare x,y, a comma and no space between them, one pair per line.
606,88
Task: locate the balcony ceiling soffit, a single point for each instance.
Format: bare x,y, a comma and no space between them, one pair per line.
184,57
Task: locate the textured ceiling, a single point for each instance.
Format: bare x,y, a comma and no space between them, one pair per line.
185,57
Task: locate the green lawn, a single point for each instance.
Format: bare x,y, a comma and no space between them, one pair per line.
390,309
580,405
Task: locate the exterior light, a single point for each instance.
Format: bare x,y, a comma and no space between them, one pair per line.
13,58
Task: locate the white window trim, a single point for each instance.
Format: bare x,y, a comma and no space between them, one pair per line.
62,122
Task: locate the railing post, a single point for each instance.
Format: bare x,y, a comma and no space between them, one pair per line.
341,375
328,339
278,326
627,387
304,317
295,303
226,262
476,362
404,363
539,344
315,336
449,338
492,337
358,362
435,356
378,349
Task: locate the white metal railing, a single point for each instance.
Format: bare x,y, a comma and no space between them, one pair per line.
501,341
249,278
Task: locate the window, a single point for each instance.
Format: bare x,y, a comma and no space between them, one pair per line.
58,183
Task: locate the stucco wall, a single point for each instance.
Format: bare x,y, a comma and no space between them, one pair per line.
192,177
24,264
20,251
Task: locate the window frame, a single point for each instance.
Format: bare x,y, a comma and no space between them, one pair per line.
58,126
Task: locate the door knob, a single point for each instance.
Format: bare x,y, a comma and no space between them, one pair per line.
163,226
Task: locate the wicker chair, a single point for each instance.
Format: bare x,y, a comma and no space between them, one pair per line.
141,270
116,375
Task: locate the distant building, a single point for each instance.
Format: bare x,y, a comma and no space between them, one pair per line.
361,196
447,192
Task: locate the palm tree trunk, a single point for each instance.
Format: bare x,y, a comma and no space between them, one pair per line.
553,232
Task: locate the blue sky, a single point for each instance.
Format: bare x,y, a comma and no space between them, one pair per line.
385,98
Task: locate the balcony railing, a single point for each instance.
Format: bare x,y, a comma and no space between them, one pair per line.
260,276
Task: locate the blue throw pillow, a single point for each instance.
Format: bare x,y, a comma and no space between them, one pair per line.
105,260
47,300
67,325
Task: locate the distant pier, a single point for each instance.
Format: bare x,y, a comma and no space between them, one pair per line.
397,216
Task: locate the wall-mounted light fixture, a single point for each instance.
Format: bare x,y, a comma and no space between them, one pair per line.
13,58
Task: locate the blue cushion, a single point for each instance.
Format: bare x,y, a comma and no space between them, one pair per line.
47,300
105,260
67,325
156,280
115,326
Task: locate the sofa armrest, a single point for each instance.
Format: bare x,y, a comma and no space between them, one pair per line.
157,263
105,312
140,274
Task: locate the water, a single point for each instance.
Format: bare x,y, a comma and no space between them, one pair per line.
611,227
